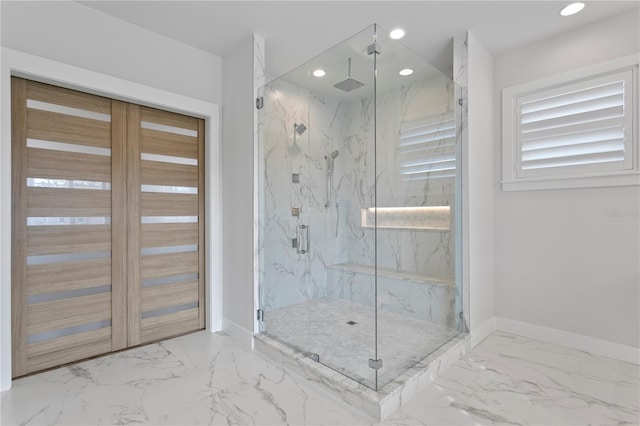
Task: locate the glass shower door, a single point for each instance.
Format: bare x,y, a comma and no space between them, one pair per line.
284,220
317,177
418,179
342,186
360,208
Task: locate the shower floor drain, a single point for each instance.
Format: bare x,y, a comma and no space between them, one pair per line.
351,322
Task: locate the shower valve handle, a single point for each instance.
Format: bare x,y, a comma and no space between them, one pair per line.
303,239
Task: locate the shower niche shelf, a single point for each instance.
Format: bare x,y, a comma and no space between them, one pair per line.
429,218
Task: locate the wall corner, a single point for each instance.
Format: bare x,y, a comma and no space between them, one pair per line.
481,183
259,80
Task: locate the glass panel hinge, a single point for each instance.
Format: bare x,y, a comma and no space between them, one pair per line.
260,315
259,102
376,364
374,48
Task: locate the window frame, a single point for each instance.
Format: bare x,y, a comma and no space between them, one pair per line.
514,180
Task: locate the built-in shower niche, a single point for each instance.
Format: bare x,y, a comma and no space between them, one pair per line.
414,271
357,214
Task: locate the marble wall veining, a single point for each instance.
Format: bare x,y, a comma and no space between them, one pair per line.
413,250
293,277
366,174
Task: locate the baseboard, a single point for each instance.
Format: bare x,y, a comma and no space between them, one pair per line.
572,340
481,332
241,334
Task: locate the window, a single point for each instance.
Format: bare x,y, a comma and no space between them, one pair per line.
428,149
572,131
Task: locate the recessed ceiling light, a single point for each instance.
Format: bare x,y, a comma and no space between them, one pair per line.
397,34
572,9
319,73
406,71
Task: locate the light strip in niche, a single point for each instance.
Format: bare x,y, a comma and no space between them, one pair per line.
429,217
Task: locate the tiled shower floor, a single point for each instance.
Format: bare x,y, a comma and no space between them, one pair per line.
324,327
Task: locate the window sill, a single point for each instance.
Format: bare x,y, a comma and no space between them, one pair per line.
532,184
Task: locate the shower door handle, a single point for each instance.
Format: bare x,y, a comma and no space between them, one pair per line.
303,239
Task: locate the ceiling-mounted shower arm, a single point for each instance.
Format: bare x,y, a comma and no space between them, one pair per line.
349,83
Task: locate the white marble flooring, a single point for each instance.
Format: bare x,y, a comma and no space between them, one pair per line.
343,335
207,378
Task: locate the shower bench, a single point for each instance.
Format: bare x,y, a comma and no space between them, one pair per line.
409,293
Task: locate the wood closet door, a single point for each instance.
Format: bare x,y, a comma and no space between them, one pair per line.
108,232
166,229
69,258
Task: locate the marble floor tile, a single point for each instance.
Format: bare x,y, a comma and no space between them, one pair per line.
205,378
509,379
343,335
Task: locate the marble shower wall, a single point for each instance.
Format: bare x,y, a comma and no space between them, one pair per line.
416,266
336,234
291,277
426,252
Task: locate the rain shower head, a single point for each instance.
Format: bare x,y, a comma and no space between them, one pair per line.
299,128
349,84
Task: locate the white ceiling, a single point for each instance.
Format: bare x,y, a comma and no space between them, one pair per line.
296,31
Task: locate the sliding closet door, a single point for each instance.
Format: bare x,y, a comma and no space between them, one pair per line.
166,232
108,232
68,266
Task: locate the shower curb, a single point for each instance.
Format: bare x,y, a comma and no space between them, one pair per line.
380,404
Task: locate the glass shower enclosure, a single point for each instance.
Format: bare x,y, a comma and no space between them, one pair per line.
359,214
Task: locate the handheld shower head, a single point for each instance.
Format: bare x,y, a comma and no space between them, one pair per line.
330,161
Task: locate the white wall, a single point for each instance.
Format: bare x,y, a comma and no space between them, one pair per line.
237,193
71,33
561,262
481,187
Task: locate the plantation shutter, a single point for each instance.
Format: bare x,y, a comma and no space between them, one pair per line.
428,149
579,128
